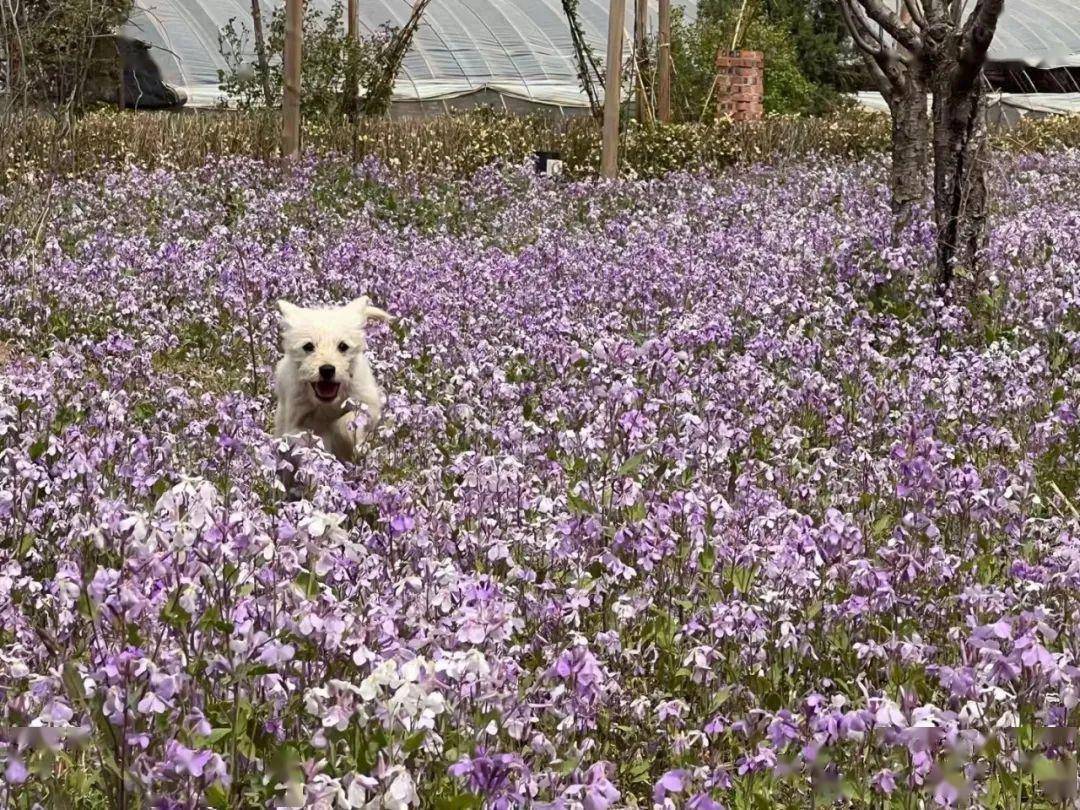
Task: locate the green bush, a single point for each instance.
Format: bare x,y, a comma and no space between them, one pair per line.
458,145
329,55
66,51
814,29
1049,134
695,45
446,145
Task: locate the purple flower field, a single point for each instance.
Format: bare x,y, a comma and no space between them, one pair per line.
689,494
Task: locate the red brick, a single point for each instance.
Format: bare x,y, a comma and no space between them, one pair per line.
740,85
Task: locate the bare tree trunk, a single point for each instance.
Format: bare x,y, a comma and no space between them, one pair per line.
910,148
942,43
960,157
260,52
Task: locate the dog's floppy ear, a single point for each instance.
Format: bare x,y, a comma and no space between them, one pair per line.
288,311
367,312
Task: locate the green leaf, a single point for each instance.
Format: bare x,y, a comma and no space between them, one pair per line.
640,771
741,578
567,766
577,504
216,736
720,697
1046,770
708,559
217,797
882,525
630,466
462,801
73,683
414,741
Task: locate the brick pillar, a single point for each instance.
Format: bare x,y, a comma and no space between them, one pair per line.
740,85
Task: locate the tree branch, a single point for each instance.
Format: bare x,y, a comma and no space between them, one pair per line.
956,8
859,30
914,8
885,87
888,20
979,33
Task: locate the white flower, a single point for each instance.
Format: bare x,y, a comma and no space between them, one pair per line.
1008,720
385,674
356,793
294,794
402,791
410,670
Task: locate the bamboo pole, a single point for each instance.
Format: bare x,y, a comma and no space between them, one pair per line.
738,26
609,153
663,90
290,102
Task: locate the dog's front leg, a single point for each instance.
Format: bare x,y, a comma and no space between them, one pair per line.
282,420
345,437
350,432
288,462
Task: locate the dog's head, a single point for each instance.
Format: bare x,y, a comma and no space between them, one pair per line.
325,345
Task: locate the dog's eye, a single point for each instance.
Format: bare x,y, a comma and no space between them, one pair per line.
343,347
308,347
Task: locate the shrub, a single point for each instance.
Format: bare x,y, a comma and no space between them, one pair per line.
447,145
1041,135
54,54
458,145
329,55
694,49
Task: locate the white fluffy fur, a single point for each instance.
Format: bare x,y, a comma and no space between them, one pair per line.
312,338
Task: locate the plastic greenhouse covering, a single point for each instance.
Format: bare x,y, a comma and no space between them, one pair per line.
509,50
517,53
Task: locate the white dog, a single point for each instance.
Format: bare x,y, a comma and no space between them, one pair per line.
323,367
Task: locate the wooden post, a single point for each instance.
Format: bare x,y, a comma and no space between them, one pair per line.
609,153
290,102
352,89
641,57
663,78
351,27
119,79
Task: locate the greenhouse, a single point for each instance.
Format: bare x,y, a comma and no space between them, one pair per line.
512,54
519,55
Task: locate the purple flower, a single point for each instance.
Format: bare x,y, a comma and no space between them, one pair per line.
884,781
15,772
703,801
187,761
600,793
671,782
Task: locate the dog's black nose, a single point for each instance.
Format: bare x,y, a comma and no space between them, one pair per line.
327,372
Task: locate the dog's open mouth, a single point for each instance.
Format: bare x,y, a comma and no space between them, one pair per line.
325,390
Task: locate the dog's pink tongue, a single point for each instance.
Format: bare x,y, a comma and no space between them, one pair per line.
326,389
